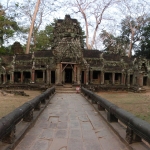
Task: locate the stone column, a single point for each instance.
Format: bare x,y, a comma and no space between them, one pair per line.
57,74
33,76
91,76
4,78
21,77
102,77
113,78
78,75
48,76
122,79
75,74
128,80
140,79
60,74
12,77
87,77
133,79
44,76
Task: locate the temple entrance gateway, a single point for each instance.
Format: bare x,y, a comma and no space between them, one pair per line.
68,75
67,72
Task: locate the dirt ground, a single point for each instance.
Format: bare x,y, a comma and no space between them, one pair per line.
8,102
136,103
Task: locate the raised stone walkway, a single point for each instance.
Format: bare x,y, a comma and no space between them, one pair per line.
70,123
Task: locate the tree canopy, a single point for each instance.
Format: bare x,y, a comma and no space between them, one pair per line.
144,45
7,26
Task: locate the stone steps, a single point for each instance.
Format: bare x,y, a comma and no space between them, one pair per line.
65,89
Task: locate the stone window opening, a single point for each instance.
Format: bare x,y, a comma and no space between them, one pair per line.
108,78
95,74
117,78
145,81
131,79
17,76
8,77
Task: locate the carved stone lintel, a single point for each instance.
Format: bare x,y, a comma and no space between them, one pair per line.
28,117
10,137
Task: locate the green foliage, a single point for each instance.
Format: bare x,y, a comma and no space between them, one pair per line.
132,29
144,45
7,26
5,50
44,38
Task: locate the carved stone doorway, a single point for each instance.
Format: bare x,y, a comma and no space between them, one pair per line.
68,75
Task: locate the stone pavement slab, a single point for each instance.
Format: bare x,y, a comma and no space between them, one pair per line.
70,123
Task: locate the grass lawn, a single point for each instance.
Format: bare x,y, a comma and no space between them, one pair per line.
136,103
10,101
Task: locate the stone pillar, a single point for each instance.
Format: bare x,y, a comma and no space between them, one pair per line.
75,74
57,74
21,77
60,74
133,79
128,80
78,75
113,78
122,79
44,76
48,76
87,77
33,76
4,78
12,77
63,77
140,79
91,76
102,77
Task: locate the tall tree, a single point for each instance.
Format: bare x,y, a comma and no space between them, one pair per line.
32,25
113,44
144,45
93,12
135,17
44,38
27,9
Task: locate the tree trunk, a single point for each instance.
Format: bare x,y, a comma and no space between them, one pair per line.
131,42
32,26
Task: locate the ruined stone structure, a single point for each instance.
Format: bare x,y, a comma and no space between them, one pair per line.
69,62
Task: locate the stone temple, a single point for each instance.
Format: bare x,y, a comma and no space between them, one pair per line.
68,62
